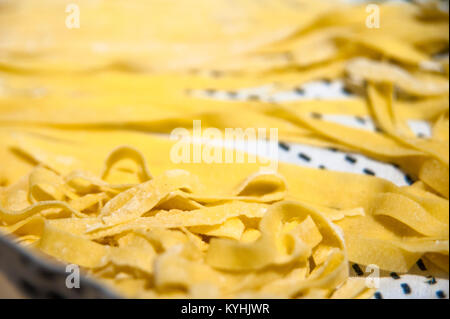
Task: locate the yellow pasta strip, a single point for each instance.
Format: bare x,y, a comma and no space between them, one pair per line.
225,254
410,213
364,69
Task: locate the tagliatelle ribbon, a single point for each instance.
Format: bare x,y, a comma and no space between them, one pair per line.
364,69
230,255
437,163
14,216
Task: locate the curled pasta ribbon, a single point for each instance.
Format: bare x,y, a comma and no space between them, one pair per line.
86,253
385,114
410,213
260,187
208,216
139,199
84,181
353,288
390,46
226,254
45,185
435,174
434,168
122,152
15,216
364,69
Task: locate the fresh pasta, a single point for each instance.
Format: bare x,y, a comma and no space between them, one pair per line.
87,178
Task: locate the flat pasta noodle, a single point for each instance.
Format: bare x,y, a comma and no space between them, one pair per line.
364,69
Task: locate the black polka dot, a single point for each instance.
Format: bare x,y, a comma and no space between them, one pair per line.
346,91
350,159
322,167
360,119
431,281
421,265
368,171
440,294
333,149
357,269
395,276
284,146
304,157
299,91
316,115
378,295
421,135
408,179
406,288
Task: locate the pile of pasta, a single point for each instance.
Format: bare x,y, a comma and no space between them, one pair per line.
165,238
87,178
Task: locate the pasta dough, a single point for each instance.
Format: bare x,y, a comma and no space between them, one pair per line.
87,178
